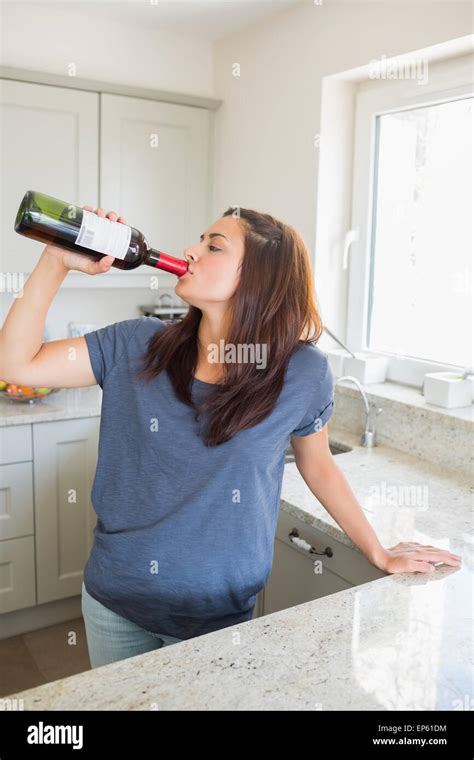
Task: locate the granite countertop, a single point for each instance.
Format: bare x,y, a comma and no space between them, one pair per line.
401,642
67,403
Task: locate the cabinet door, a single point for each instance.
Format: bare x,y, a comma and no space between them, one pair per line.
65,458
17,574
16,500
48,142
154,170
293,581
15,444
299,575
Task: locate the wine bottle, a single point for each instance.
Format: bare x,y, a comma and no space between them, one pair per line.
66,225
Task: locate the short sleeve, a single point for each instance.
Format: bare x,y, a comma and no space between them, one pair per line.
107,345
322,403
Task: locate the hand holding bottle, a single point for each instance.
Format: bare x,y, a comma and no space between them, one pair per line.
82,263
90,234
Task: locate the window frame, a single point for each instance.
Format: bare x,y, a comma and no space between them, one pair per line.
448,80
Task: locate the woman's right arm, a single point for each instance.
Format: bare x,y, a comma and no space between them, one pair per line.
24,358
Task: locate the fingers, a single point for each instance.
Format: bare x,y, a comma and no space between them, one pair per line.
115,217
442,552
438,556
112,215
432,552
427,551
104,264
420,567
96,267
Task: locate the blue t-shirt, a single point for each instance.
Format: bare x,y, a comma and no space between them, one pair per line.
185,533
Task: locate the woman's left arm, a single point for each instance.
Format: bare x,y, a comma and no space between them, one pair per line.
316,464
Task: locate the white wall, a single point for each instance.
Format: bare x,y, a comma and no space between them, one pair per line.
48,37
265,153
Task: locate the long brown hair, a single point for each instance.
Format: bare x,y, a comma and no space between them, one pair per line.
274,304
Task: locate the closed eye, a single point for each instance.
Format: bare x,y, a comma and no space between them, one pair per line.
213,248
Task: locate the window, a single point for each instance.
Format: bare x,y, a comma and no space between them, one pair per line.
413,208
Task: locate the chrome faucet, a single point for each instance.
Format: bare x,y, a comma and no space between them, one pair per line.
368,437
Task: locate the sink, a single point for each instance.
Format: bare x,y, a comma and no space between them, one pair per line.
335,448
339,448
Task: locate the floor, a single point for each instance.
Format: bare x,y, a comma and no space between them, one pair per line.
41,656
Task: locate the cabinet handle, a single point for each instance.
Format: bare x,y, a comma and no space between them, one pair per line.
294,537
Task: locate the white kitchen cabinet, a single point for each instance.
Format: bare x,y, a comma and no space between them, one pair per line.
17,551
293,580
17,574
154,169
16,500
15,444
65,458
147,159
48,142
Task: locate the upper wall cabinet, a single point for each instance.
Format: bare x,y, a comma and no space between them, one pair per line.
154,167
48,142
144,158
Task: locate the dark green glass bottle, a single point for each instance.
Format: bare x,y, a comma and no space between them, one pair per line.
54,222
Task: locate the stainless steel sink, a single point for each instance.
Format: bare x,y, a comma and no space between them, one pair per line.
335,448
339,448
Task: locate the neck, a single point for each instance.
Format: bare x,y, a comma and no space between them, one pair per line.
212,329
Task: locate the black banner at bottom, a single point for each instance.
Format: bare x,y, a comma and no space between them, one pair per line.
381,734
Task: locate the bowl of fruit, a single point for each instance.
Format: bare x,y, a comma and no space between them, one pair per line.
24,393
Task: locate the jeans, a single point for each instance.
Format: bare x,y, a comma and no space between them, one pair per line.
111,637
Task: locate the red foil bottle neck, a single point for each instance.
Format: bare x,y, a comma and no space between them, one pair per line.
167,263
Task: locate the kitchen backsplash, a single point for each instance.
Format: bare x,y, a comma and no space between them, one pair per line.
99,307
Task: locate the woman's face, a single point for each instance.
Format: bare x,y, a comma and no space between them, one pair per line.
214,264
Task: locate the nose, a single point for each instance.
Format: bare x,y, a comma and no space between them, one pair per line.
189,255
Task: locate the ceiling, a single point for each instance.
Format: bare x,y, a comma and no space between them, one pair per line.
208,19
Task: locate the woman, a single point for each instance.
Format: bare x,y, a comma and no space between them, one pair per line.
196,418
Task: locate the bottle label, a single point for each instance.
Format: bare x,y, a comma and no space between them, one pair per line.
103,235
